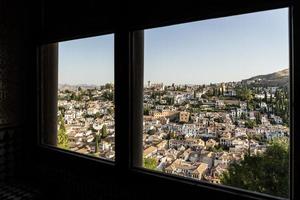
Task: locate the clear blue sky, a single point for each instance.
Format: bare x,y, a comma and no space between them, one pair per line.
87,61
215,50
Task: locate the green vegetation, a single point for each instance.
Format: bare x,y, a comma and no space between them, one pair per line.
146,111
151,131
243,116
250,124
76,97
277,103
266,173
204,96
150,163
209,93
170,100
280,105
110,111
104,131
219,120
108,86
245,94
97,140
258,118
62,137
109,96
97,115
62,109
216,149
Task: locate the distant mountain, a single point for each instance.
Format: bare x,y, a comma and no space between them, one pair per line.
75,87
280,78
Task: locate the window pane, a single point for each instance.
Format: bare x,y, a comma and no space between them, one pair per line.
85,117
216,101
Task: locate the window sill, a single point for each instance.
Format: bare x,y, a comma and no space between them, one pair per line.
237,192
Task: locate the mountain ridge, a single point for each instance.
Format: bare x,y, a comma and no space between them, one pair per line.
275,79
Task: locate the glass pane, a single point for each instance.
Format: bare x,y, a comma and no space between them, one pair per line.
216,101
85,117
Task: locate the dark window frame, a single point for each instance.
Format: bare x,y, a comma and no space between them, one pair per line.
136,130
47,75
128,92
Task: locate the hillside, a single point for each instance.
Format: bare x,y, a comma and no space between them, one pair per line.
280,78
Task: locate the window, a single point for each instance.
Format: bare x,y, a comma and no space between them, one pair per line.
216,101
210,108
85,97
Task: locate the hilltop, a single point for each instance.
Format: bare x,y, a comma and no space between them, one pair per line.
280,78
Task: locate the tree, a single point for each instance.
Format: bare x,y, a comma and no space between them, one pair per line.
243,116
150,163
219,120
266,97
62,109
97,140
258,118
97,115
209,93
236,123
73,96
250,124
170,100
146,111
151,132
109,96
62,137
204,96
266,173
216,149
104,131
110,110
245,94
108,86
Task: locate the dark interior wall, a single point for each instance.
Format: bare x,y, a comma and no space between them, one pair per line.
16,56
65,176
23,28
62,20
11,39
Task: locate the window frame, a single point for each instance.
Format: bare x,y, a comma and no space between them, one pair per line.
128,79
225,188
47,61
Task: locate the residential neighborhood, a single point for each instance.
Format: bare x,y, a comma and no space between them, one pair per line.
195,131
86,118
